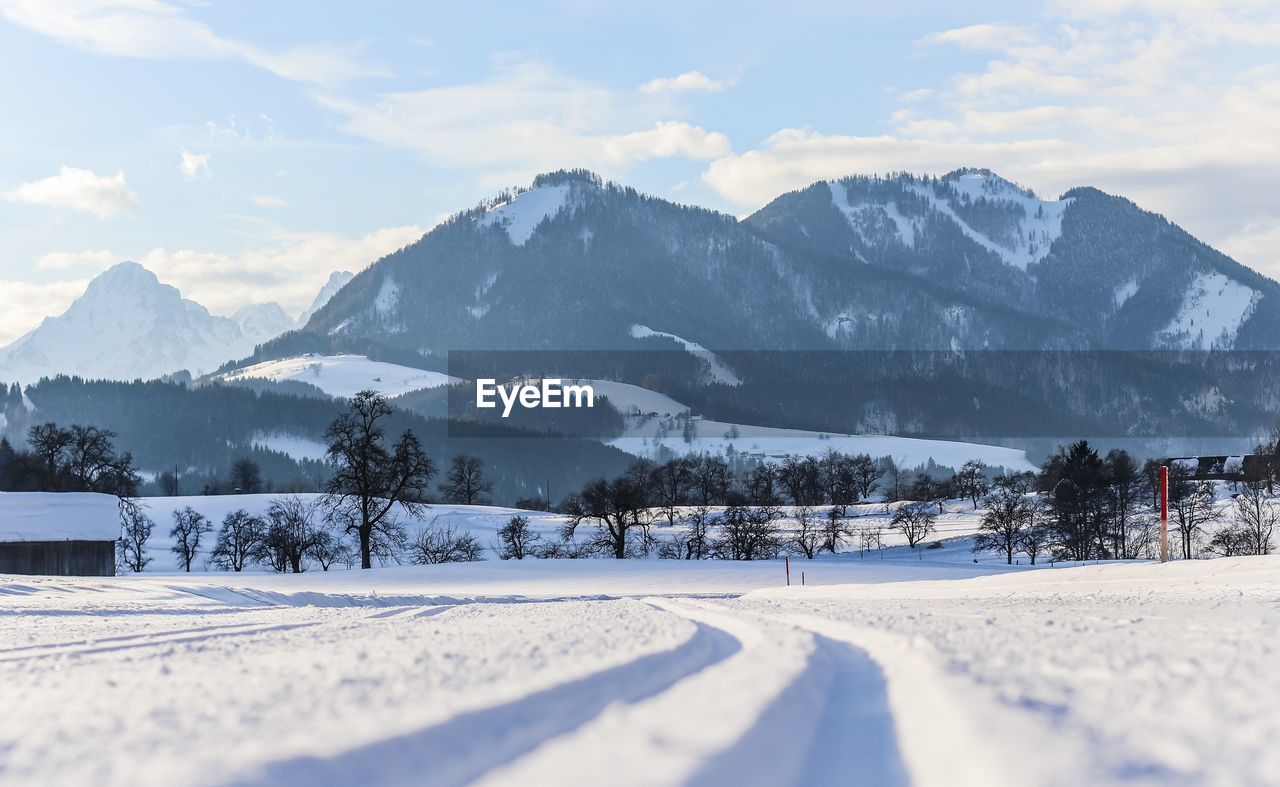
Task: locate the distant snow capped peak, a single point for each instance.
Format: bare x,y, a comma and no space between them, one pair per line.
262,321
128,324
337,280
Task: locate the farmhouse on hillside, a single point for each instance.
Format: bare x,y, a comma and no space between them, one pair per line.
58,533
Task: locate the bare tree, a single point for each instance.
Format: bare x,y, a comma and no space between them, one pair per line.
808,534
1257,517
189,527
671,483
834,530
869,538
291,533
1192,505
697,543
1008,513
1035,540
517,538
914,521
971,481
748,533
615,507
867,474
438,543
465,483
328,548
371,482
134,534
238,541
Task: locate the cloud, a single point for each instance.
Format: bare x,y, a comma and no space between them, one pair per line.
153,29
65,260
267,201
687,82
290,271
983,36
526,117
78,189
194,165
24,304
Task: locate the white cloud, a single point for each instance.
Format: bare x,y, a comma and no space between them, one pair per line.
267,201
983,36
666,140
687,82
78,189
290,271
526,117
67,260
154,29
194,165
24,304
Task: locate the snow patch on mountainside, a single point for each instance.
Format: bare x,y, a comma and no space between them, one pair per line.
522,215
719,372
344,375
1039,227
1124,292
1212,312
867,217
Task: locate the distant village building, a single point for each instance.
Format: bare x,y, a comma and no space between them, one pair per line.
58,534
1246,467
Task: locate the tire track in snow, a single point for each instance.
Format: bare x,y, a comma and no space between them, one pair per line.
466,747
159,639
772,713
958,736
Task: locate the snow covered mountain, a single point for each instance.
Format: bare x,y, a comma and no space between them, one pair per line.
768,309
966,261
1110,274
128,325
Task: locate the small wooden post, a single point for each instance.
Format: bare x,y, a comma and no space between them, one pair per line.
802,578
1164,513
787,559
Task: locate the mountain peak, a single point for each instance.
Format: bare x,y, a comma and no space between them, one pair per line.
984,182
563,176
126,274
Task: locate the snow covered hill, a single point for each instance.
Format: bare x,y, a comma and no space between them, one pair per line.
654,428
128,325
343,375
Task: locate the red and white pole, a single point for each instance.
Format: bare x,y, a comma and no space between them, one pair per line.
1164,513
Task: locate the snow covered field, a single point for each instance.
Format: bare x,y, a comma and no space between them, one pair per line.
893,671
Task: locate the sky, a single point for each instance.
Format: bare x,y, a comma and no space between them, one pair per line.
244,150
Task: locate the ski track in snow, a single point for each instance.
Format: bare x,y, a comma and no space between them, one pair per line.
1107,674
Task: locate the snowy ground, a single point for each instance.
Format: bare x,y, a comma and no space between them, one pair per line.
907,671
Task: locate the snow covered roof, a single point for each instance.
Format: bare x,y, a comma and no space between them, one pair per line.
58,516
